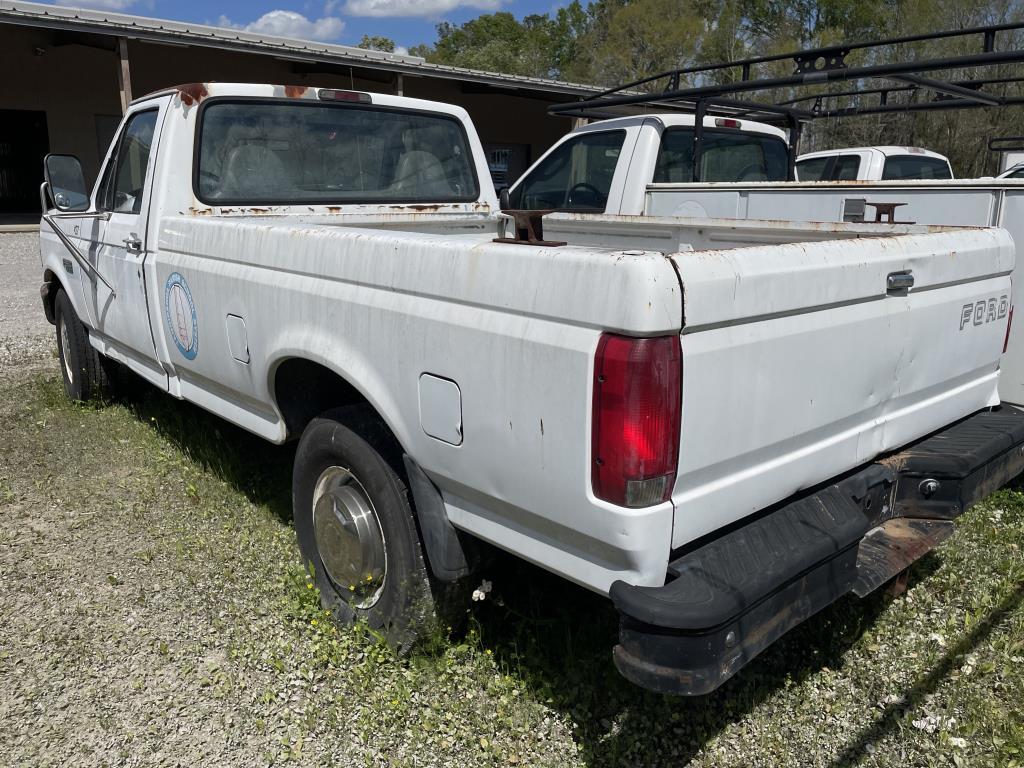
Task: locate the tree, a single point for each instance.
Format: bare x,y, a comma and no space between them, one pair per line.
377,43
538,46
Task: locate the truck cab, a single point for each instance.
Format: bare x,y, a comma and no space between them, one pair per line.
583,172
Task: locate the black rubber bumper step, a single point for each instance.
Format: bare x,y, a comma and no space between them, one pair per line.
730,598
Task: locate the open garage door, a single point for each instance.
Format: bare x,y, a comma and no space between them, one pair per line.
24,142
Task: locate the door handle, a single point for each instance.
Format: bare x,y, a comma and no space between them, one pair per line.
899,281
133,244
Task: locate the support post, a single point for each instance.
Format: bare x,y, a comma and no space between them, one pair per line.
698,136
124,79
399,85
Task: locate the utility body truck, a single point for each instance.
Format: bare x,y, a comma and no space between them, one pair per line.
725,426
635,187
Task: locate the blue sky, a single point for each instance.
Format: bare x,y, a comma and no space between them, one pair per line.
407,22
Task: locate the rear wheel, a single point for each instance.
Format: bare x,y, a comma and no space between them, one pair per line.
355,525
81,367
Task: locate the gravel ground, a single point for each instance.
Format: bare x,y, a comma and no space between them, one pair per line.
24,332
154,612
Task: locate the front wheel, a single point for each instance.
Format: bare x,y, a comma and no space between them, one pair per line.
355,525
80,365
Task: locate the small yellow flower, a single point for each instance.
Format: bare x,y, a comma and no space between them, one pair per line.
309,585
313,622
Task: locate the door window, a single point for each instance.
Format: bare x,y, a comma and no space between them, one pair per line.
575,177
829,168
813,169
125,178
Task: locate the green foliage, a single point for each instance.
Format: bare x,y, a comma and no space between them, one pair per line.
611,42
539,45
377,43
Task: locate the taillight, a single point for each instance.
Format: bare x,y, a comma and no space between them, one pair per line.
1009,325
637,402
330,94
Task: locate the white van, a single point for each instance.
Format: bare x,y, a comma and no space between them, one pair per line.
873,164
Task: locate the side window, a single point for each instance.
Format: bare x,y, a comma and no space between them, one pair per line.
1018,174
575,177
125,177
811,170
912,167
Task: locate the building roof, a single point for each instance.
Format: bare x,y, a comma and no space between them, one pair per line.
160,30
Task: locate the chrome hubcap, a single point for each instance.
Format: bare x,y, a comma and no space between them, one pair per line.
65,345
349,537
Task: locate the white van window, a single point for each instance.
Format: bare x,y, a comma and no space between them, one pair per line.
830,168
915,167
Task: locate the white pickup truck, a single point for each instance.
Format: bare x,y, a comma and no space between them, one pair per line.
725,426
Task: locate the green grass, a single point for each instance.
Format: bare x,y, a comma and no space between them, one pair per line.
933,677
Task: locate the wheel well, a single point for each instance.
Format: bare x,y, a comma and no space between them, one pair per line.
51,284
304,389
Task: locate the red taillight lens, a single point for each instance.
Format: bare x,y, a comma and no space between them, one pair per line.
637,402
1009,325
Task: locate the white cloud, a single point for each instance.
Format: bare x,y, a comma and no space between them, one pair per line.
414,7
401,50
287,24
101,5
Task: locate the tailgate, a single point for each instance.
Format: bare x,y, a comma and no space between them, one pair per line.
804,361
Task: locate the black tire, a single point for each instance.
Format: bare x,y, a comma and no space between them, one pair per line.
355,438
80,365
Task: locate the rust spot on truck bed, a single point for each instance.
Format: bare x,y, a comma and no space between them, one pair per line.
192,93
295,91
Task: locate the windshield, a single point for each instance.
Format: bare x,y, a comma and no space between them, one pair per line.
915,167
728,155
266,152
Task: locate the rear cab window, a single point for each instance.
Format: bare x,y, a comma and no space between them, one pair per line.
272,152
915,167
728,155
577,176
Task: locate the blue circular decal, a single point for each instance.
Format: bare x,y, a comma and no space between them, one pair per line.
180,311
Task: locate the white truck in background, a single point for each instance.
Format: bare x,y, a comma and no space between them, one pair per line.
725,426
635,187
873,164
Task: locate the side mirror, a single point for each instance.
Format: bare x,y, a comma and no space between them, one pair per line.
66,181
503,202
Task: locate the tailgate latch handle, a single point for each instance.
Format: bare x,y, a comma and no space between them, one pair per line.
899,281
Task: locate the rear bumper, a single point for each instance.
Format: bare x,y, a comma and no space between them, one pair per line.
731,597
